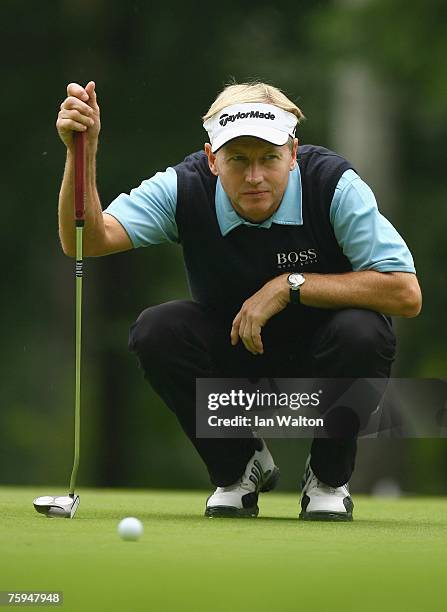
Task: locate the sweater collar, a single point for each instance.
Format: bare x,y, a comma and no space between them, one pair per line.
288,213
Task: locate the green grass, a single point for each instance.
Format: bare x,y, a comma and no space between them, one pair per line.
392,557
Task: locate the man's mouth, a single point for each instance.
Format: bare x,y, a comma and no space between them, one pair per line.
254,193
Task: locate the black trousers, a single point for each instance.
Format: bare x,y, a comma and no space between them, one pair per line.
180,341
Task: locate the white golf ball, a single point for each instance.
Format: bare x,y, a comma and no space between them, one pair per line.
130,528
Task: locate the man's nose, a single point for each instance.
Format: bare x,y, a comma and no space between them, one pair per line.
254,174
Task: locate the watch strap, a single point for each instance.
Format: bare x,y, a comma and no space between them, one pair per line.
295,296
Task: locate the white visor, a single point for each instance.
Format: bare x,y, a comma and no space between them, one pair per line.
264,121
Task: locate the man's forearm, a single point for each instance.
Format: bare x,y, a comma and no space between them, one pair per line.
94,223
392,293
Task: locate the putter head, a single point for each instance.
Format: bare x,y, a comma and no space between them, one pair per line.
57,507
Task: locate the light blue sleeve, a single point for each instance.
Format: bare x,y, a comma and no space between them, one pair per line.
148,212
367,238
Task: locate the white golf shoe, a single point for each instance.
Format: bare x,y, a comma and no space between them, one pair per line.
240,500
320,502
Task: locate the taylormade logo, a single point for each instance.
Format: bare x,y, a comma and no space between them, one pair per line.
226,118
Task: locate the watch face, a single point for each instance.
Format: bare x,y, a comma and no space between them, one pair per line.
295,280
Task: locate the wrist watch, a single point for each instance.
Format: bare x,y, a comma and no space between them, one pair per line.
295,281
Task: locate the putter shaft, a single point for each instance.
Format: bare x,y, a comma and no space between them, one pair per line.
79,271
79,220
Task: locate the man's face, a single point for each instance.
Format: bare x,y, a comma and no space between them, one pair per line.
254,174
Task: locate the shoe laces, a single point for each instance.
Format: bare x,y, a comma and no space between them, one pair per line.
320,485
239,484
247,480
325,487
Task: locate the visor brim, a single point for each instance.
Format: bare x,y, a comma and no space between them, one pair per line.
272,135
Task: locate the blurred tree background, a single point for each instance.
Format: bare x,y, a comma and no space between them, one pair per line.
370,77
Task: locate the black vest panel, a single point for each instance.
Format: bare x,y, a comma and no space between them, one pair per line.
223,271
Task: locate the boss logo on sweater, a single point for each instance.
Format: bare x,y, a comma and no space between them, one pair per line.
226,118
294,258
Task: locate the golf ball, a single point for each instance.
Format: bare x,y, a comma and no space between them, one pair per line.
130,528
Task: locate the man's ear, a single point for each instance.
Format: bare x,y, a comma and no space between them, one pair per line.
211,159
294,154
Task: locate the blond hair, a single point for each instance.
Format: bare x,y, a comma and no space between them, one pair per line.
253,91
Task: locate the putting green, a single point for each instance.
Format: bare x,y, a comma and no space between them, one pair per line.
392,557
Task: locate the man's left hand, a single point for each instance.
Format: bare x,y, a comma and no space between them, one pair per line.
256,311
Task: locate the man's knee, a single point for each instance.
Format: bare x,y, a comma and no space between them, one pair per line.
355,342
361,331
169,328
157,328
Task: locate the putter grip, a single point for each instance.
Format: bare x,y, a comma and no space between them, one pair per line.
79,139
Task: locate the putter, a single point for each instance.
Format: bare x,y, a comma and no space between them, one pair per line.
66,506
